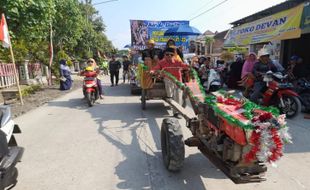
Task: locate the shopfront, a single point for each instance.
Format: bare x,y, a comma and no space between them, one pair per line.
277,28
299,46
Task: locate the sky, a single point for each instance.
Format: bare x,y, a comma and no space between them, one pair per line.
116,14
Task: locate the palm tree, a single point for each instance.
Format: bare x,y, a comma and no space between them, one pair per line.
209,41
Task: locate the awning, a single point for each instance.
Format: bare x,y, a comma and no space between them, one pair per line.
280,26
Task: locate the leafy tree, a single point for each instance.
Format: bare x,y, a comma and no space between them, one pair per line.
78,30
68,25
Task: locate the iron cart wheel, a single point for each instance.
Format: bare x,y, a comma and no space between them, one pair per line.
292,106
143,99
172,144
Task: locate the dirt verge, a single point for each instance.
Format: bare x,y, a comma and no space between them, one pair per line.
44,95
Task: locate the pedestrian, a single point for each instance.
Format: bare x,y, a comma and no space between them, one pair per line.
126,65
114,67
65,76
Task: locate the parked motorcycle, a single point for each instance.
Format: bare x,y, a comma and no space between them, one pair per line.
90,87
213,82
302,87
10,153
279,93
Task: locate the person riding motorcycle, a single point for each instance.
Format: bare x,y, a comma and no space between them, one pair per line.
93,70
260,68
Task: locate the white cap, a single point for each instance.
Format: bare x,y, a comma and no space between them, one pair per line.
263,52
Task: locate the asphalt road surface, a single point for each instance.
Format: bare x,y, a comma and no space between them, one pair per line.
116,145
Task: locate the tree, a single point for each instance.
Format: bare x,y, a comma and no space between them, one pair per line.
78,30
208,42
28,22
67,25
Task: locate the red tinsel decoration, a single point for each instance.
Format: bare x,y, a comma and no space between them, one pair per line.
229,101
266,116
251,155
277,150
262,117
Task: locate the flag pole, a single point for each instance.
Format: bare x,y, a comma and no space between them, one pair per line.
3,23
16,76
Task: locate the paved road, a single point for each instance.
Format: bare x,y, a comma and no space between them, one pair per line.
115,145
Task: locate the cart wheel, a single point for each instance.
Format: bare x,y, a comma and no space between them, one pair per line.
143,99
135,91
172,144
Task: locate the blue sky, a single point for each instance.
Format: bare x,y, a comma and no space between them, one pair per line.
117,14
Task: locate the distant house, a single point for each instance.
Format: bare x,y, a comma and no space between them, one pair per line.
199,46
216,47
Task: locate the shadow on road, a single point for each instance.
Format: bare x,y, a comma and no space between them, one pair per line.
136,134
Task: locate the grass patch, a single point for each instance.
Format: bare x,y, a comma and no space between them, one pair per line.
31,90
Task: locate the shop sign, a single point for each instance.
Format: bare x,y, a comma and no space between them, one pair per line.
280,26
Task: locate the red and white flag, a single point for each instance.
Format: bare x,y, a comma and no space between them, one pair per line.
4,33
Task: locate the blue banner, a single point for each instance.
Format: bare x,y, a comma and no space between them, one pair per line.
144,30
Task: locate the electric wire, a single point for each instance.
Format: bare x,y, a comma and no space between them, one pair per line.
103,2
208,10
202,7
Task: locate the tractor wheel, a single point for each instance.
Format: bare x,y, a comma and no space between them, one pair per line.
172,144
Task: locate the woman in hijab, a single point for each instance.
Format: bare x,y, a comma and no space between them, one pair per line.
248,64
65,77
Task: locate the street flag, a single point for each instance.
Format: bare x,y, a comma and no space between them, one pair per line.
4,33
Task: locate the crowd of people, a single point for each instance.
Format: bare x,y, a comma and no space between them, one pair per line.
252,67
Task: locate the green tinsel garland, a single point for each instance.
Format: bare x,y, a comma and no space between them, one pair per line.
186,88
211,100
249,106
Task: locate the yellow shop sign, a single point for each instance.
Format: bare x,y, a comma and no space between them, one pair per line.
280,26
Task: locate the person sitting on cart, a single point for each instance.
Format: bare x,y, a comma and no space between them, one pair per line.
154,53
170,64
178,54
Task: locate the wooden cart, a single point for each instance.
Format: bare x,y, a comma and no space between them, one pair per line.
154,87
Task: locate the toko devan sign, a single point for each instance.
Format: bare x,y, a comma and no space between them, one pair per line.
280,26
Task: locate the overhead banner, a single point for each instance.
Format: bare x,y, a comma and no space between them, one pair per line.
144,30
280,26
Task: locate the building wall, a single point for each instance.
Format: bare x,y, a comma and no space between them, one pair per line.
217,46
